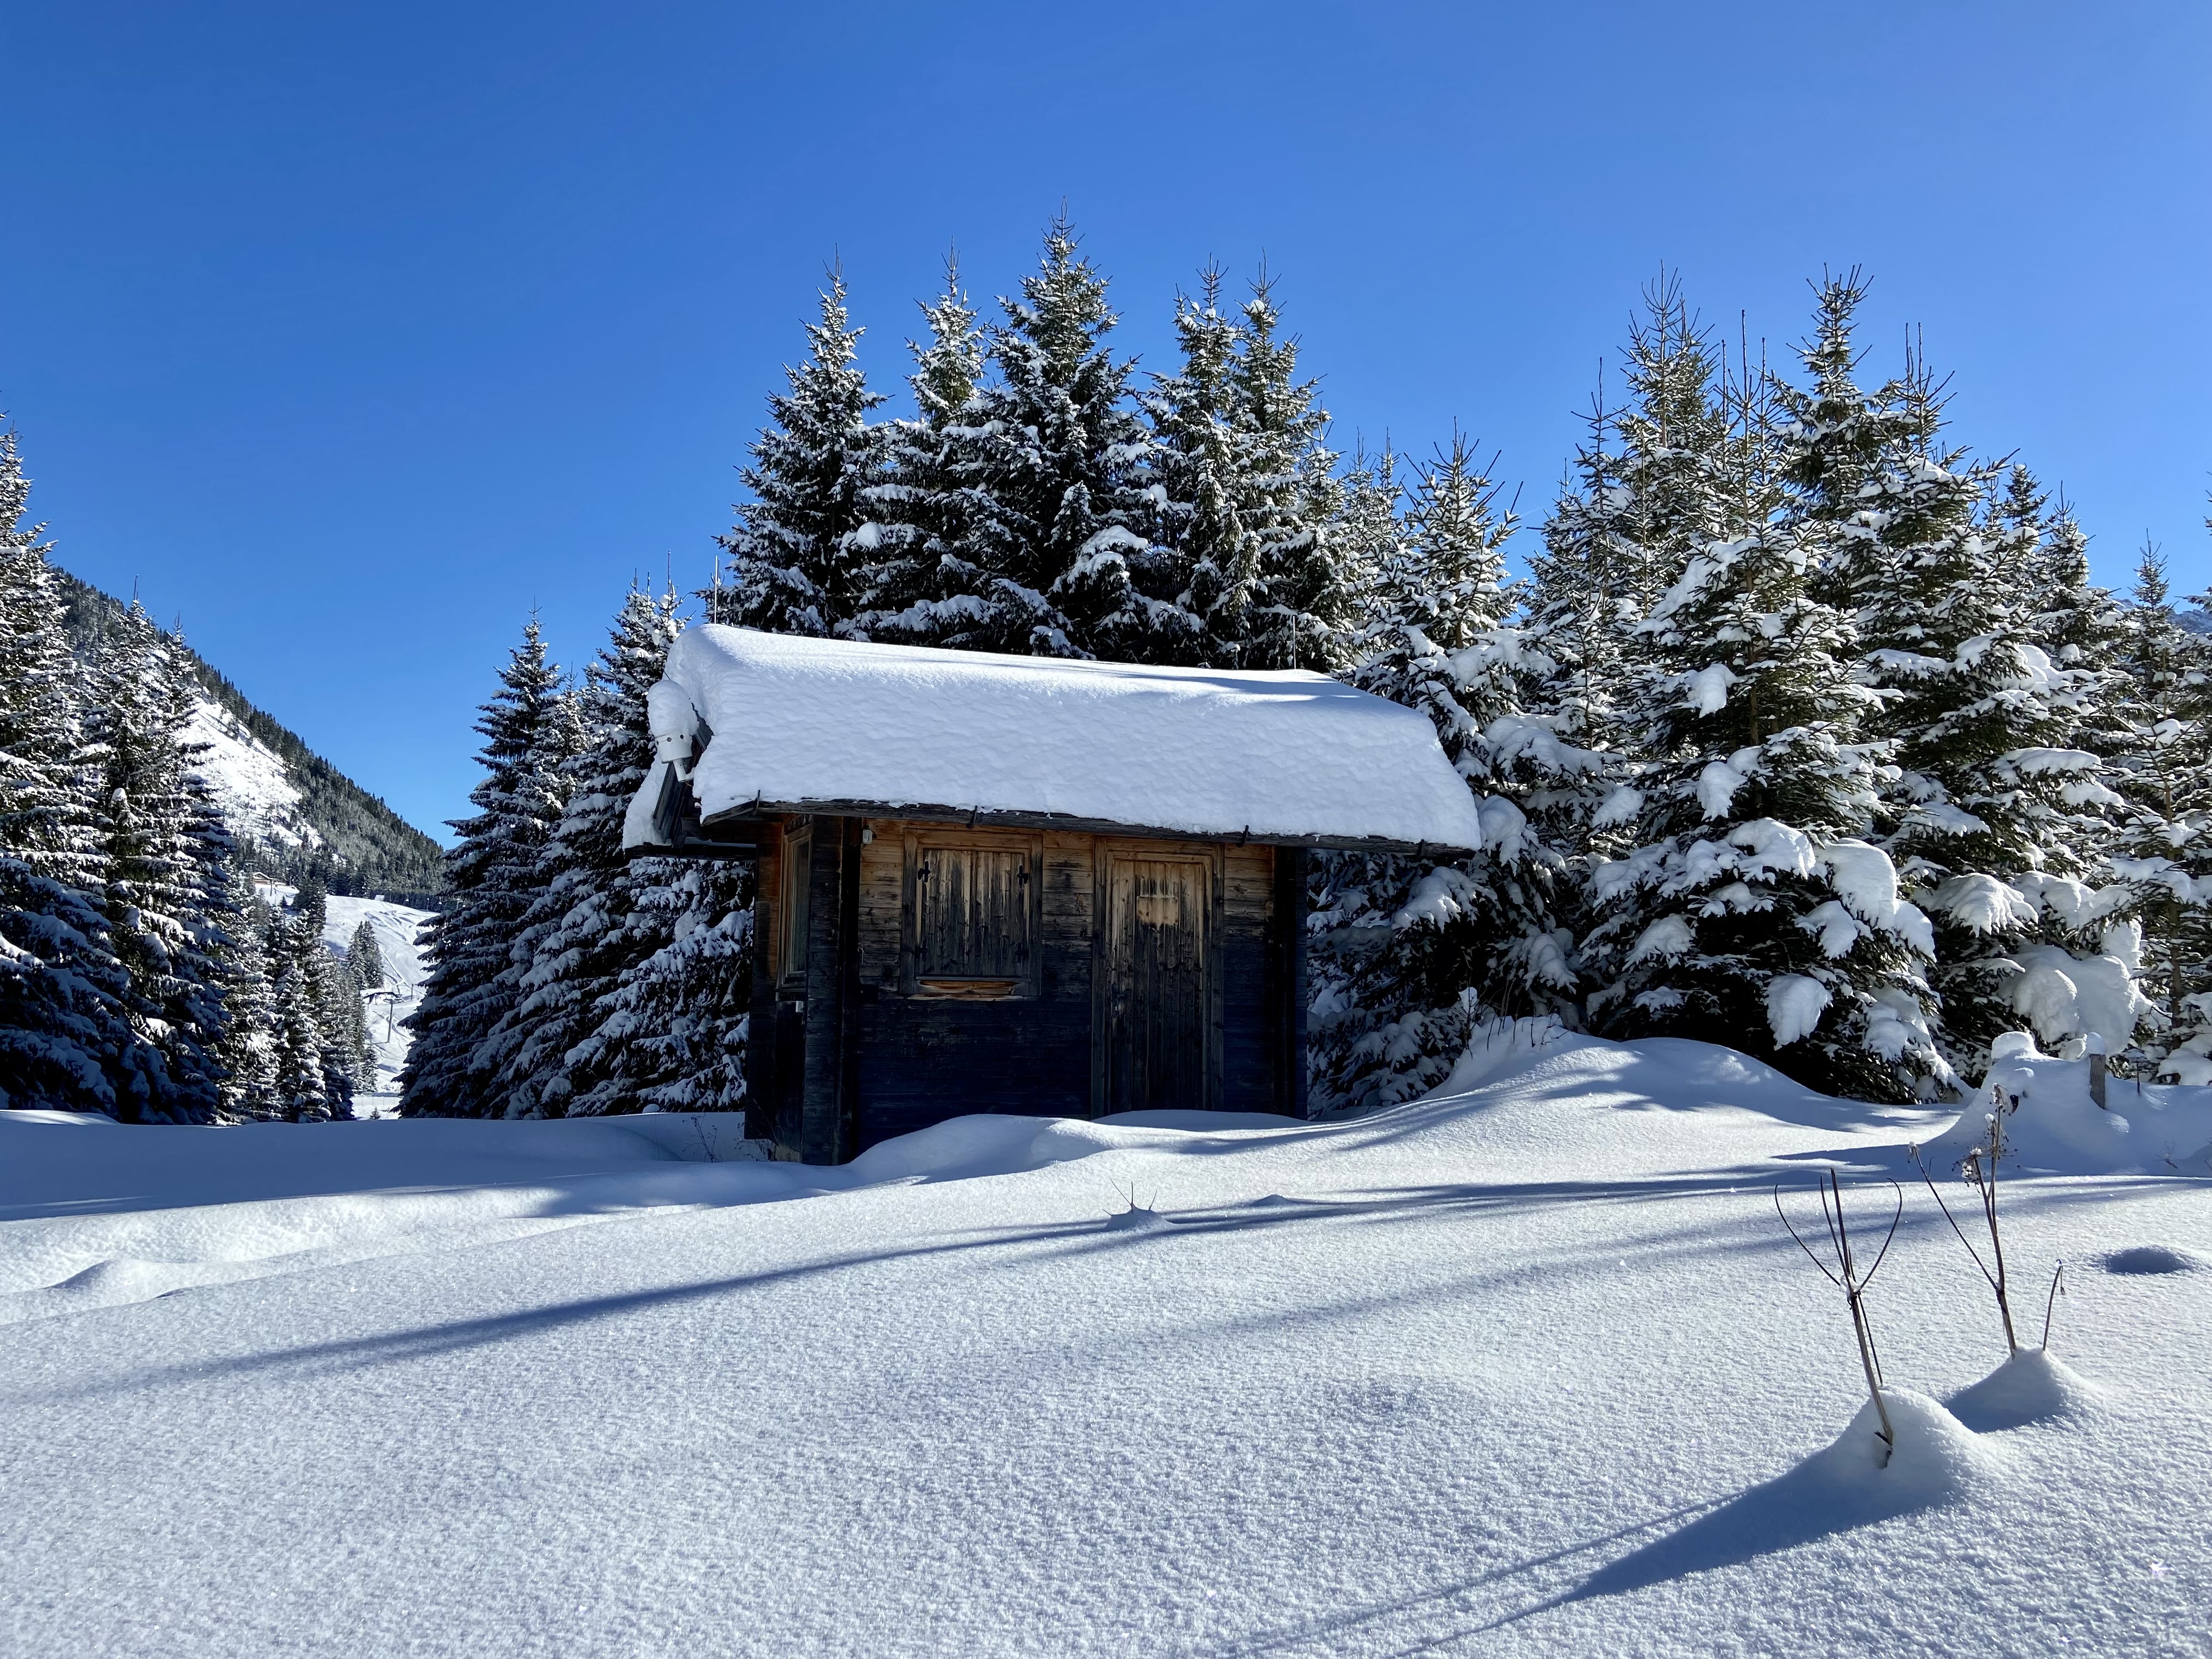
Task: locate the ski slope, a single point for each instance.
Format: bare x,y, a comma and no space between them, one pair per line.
398,929
1529,1367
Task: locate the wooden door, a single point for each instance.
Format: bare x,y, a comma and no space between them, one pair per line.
1156,1030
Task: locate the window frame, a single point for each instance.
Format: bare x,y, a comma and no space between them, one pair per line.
794,906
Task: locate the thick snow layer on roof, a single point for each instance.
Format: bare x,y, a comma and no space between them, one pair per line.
1285,756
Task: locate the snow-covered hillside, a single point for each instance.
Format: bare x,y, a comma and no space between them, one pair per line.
398,927
1526,1368
248,780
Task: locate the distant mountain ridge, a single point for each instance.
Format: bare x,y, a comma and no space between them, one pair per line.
298,816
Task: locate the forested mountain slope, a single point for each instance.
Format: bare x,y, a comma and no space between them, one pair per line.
303,817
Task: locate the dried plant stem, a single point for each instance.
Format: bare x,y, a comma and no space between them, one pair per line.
1846,1276
1985,1186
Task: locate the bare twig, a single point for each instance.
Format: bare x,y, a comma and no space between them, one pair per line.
1984,1179
2057,1290
1848,1278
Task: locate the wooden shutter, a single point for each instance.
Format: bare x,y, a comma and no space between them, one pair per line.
972,918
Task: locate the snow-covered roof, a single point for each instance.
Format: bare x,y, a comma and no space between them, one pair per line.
807,724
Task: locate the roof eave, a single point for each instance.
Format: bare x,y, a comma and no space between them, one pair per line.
980,817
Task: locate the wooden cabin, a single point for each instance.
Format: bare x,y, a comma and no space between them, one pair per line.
1014,884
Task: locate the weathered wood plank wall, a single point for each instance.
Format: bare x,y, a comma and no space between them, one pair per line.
866,1046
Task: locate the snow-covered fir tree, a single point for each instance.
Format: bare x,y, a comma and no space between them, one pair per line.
345,1021
1750,913
247,1050
300,1080
1288,605
602,922
64,1041
918,506
1414,952
1197,464
648,974
1994,819
1248,493
798,546
2164,852
1655,478
366,956
529,730
341,1031
1673,476
1369,536
1055,555
1585,583
164,874
673,1038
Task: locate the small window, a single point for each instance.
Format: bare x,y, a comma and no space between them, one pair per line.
798,882
971,920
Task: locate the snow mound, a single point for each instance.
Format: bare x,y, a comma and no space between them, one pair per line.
2031,1387
1936,1458
1138,1219
1937,1462
2057,1129
2153,1259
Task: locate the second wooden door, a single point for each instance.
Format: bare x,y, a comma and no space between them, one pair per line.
1155,1038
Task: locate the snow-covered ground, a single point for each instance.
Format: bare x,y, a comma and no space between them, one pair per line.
397,928
1530,1367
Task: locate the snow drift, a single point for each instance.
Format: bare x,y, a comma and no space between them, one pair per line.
1526,1367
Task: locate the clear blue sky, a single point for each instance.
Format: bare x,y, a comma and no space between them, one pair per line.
350,332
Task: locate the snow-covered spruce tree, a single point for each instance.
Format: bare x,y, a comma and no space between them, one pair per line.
300,1080
1751,914
674,1034
598,917
1835,438
367,956
2164,853
1247,489
341,1030
1585,586
916,505
247,1051
64,1044
2080,626
1994,821
1414,952
796,548
2040,555
638,989
1673,476
164,874
345,1020
1289,605
1055,555
1197,466
529,730
1369,536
